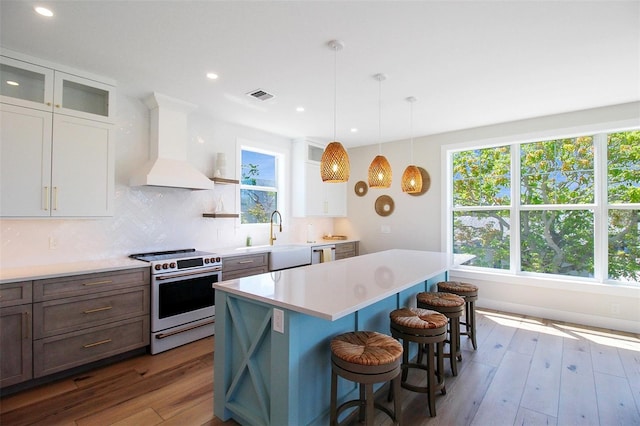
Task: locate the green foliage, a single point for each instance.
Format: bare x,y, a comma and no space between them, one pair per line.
256,205
561,174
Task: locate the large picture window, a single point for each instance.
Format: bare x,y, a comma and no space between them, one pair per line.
537,207
259,186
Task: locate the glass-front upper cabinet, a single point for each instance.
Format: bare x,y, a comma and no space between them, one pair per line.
32,86
25,84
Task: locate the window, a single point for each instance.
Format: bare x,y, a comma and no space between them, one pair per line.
259,185
538,207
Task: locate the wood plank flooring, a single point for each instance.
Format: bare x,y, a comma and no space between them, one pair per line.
526,371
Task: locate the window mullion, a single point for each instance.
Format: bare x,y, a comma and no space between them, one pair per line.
601,215
515,209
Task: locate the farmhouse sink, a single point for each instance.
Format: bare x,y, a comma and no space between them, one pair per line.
289,256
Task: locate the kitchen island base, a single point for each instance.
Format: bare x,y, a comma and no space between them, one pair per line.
265,377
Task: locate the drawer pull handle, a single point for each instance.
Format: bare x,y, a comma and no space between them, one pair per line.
101,342
98,282
27,326
104,308
245,261
182,330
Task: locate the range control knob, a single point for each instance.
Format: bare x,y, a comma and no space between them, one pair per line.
172,265
165,266
218,260
158,267
206,261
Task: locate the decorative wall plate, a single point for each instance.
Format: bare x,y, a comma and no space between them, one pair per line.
361,188
384,205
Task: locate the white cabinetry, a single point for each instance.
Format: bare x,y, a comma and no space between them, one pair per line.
56,148
311,196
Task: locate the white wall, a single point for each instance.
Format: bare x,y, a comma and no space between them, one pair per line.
152,218
418,222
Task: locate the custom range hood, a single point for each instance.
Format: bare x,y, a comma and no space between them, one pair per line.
168,137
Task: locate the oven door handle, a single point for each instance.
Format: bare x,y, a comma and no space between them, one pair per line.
187,274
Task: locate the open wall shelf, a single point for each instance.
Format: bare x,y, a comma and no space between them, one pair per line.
221,215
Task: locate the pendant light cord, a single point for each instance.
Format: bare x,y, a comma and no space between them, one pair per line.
380,78
335,89
411,130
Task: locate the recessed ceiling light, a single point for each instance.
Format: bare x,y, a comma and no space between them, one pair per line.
300,109
354,130
43,11
13,83
212,76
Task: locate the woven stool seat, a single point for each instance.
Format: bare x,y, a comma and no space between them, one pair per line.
441,300
365,357
457,287
366,348
452,306
469,292
418,318
428,329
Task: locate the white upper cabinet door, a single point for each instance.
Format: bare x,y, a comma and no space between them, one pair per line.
25,84
311,197
25,162
84,98
82,178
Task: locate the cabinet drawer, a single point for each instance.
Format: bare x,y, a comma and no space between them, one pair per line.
59,353
55,288
244,262
65,315
345,250
244,273
13,294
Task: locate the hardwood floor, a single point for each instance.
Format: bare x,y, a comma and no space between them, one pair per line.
526,371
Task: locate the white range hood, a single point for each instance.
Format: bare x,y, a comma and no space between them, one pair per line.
168,137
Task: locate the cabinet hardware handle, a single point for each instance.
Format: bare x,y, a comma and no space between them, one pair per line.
26,326
101,342
55,198
104,308
46,198
245,261
98,282
48,103
57,105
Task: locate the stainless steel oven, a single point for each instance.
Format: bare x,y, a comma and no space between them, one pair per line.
182,296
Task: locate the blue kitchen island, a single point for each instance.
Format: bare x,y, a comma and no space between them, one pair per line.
272,361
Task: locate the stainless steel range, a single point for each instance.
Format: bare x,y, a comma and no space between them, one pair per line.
183,304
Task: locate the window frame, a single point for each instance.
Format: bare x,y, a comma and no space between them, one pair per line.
600,207
280,177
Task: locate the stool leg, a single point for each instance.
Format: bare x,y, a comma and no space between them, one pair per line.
363,407
369,397
405,358
431,380
334,396
472,321
440,369
454,344
397,403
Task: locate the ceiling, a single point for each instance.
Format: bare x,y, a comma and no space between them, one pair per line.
469,64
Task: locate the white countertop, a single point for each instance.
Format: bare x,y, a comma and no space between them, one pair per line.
239,251
27,273
336,289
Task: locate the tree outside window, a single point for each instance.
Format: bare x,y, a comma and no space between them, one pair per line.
556,210
259,186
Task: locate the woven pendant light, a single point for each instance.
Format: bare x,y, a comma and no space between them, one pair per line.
334,164
411,178
380,173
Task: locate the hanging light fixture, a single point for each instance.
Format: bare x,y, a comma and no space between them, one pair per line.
380,170
411,178
334,165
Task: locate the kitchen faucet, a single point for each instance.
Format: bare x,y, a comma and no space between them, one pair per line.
272,236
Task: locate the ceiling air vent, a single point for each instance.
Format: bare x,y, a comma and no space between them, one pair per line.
260,95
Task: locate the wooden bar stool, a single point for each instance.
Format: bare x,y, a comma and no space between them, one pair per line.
452,307
429,330
365,357
469,292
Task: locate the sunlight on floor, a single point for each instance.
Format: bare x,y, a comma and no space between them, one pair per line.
601,337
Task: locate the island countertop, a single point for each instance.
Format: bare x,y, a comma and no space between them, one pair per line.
335,289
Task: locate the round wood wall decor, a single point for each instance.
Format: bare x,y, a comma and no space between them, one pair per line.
384,205
361,188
